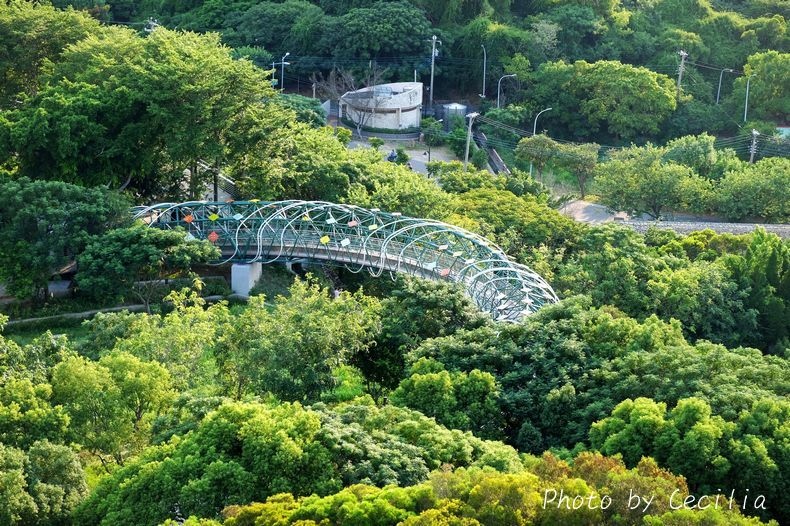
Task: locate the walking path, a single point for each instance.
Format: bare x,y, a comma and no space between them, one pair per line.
592,213
417,152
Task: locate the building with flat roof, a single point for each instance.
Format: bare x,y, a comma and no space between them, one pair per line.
393,106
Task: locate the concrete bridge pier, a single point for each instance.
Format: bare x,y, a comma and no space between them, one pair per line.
243,276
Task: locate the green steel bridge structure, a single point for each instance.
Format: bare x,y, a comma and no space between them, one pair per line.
359,239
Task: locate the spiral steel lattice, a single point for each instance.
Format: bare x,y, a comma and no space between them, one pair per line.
360,239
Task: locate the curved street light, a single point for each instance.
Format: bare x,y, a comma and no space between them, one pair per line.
282,71
718,92
471,118
534,131
746,103
499,87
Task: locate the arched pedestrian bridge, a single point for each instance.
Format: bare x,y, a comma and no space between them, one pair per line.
360,239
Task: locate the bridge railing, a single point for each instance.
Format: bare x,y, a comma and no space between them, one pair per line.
360,239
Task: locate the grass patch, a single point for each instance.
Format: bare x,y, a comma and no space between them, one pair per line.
25,335
275,281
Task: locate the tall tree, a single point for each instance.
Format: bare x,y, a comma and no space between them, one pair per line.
637,181
45,224
580,160
127,111
538,150
292,350
34,36
136,260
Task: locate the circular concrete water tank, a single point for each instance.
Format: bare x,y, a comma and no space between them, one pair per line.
453,112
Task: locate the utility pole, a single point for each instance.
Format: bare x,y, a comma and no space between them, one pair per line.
282,65
682,66
485,58
434,40
753,147
718,92
152,24
471,117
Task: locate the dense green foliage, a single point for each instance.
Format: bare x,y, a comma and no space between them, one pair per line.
397,402
481,497
136,260
45,224
244,452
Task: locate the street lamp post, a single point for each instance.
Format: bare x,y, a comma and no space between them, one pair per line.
485,58
434,52
534,131
430,140
282,65
499,87
282,71
471,118
746,103
718,92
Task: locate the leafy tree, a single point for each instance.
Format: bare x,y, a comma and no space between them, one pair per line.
769,96
28,55
27,414
182,340
401,157
287,160
760,190
136,260
539,150
707,300
397,189
669,373
308,110
710,452
121,110
56,481
696,152
144,387
470,497
580,30
41,485
415,310
375,142
98,419
457,400
452,177
293,350
611,265
764,269
34,360
639,182
625,101
16,504
518,223
504,43
247,452
45,224
432,133
383,29
581,161
276,26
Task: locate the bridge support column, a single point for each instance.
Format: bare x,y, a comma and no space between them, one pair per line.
243,276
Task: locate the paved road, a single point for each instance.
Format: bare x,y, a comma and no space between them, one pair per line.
586,212
683,224
418,154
